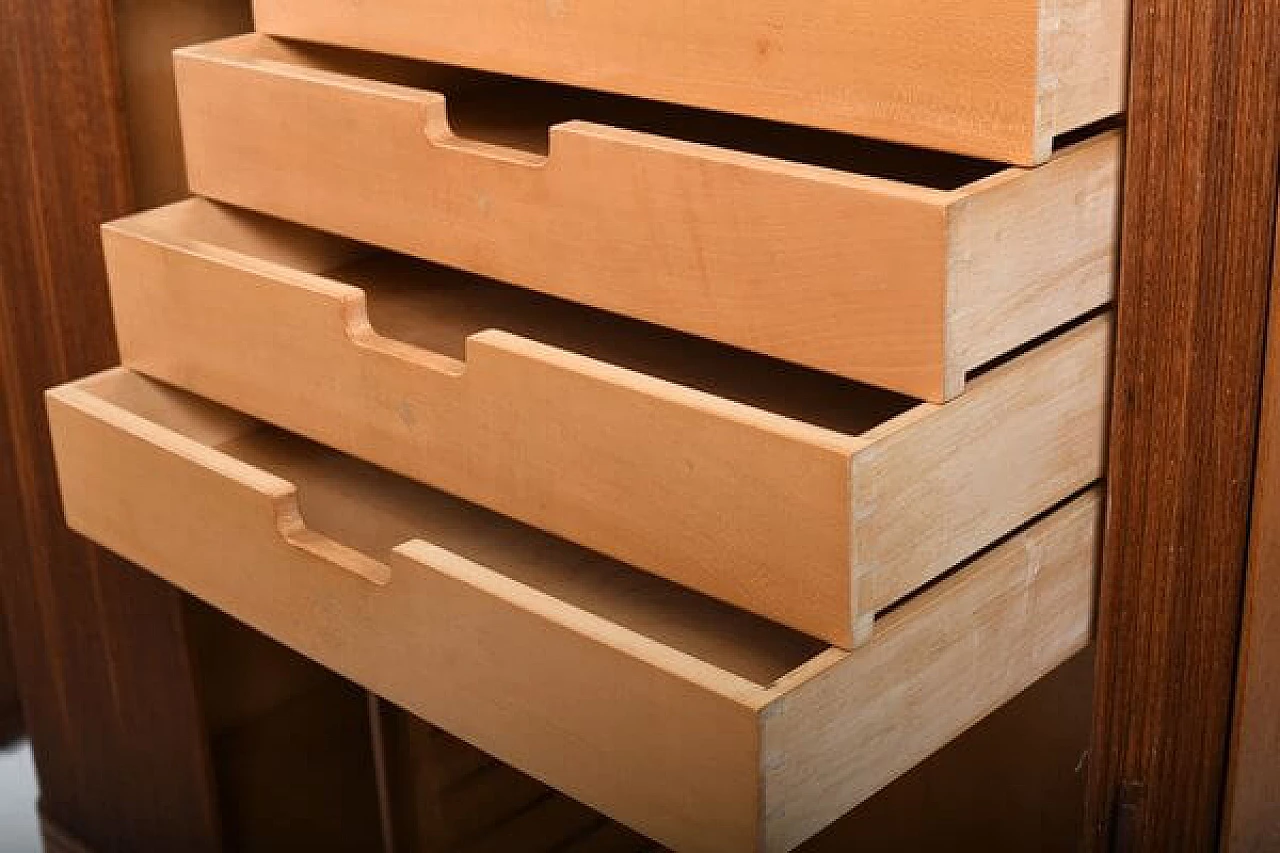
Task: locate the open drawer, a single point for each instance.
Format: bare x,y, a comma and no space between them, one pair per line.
903,269
699,725
997,79
813,501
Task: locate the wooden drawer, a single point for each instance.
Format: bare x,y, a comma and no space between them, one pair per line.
697,724
808,499
899,268
996,79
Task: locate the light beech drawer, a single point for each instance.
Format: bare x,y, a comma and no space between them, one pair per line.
996,79
696,724
810,500
899,268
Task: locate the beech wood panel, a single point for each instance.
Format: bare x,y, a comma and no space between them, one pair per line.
997,79
807,499
698,725
898,268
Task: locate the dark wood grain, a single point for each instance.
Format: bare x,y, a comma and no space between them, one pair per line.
1253,803
1199,207
10,699
101,662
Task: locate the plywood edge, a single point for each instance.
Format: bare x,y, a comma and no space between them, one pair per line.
1030,251
938,486
936,666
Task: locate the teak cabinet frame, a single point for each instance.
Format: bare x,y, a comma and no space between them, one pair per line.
102,664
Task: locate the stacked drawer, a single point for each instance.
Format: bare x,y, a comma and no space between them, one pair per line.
712,470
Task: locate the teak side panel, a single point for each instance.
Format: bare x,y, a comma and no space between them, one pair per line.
105,679
854,273
679,749
998,80
1202,162
750,507
1025,607
1251,821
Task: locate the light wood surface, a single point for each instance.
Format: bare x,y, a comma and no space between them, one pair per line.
996,79
813,501
697,725
898,268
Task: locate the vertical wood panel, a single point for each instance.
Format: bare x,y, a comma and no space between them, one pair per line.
1199,205
1253,807
147,31
10,701
102,662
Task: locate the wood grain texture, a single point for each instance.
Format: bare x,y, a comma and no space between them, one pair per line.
1013,783
811,501
447,796
1200,192
10,696
997,79
698,725
289,741
1253,802
147,32
102,663
868,265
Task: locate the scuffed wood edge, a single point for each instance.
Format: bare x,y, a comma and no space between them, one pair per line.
1026,436
969,645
